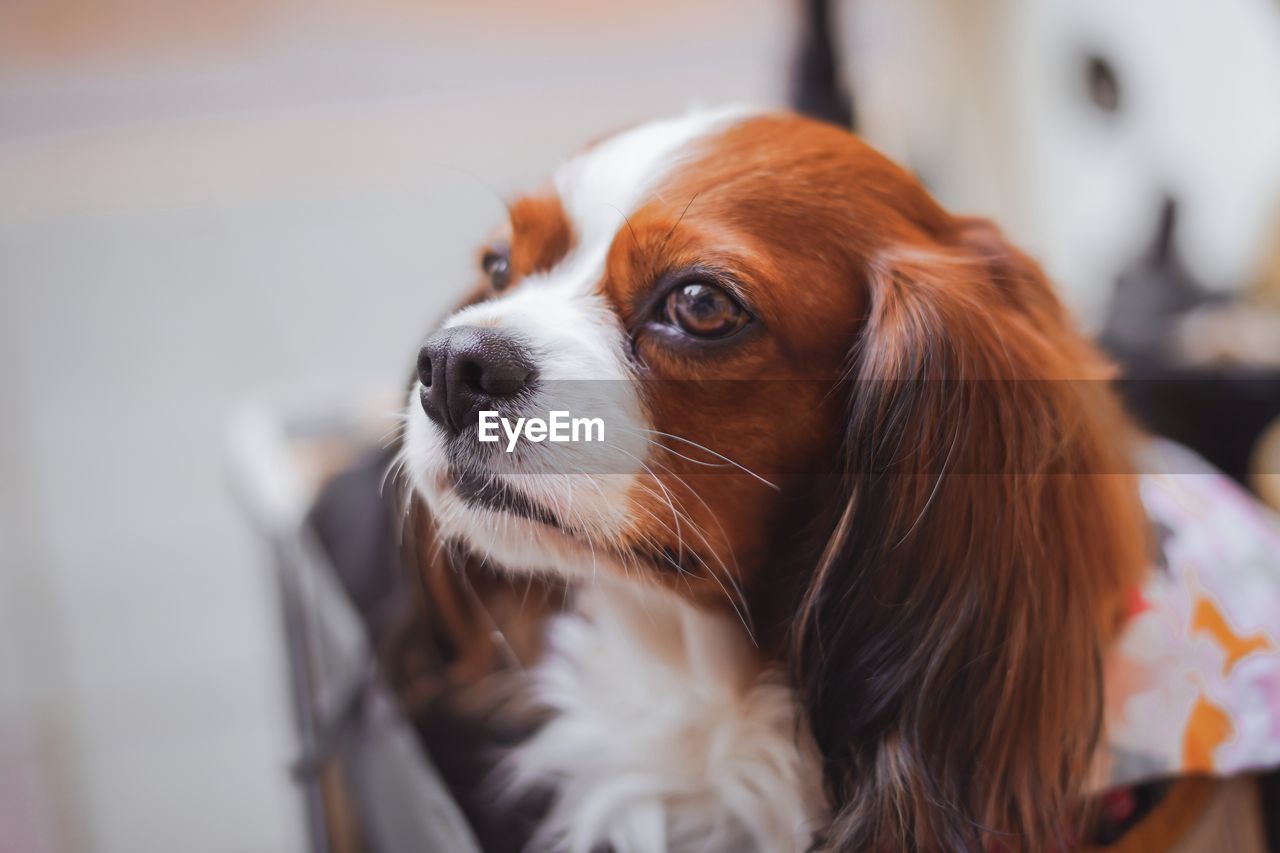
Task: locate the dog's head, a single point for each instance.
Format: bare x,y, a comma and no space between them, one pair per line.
826,403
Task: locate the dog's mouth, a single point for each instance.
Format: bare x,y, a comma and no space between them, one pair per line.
486,492
492,494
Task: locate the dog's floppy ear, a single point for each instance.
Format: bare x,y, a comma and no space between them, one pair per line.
948,648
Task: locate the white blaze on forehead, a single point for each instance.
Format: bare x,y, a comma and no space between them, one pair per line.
601,186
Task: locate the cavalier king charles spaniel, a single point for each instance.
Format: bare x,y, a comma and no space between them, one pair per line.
842,568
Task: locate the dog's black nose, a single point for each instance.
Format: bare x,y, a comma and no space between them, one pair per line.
467,369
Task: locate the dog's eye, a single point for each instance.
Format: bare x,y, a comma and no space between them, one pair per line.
704,311
496,263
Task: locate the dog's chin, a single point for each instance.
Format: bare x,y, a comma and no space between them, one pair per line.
507,528
488,492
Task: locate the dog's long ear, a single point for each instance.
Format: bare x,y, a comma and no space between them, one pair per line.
948,649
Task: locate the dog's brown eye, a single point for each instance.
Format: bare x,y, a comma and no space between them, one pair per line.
496,263
704,311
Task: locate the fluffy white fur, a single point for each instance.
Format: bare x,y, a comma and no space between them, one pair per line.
667,736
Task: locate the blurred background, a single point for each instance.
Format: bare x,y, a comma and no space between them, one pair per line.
208,203
204,202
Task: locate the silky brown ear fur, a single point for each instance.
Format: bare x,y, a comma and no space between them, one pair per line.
948,651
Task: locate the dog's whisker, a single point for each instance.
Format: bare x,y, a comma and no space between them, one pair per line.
729,574
735,598
744,469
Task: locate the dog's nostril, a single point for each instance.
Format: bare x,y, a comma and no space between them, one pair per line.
503,380
492,375
472,374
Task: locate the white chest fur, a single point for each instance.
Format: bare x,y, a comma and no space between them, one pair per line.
666,734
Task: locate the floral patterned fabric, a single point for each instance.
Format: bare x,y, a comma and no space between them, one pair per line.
1193,686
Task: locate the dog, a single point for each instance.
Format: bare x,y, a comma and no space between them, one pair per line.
843,569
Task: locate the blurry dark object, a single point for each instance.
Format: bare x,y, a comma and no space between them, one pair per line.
1150,297
355,520
1102,83
817,88
355,525
1218,413
1219,410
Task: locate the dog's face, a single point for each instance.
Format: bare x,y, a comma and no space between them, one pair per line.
825,401
697,283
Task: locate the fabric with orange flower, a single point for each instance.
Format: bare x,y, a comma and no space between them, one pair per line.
1193,685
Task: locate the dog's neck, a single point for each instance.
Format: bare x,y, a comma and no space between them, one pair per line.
667,732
